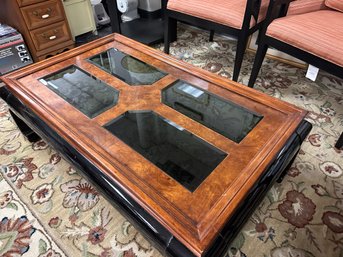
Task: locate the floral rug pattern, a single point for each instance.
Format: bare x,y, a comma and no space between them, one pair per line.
48,209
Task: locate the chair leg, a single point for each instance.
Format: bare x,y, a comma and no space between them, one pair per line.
211,35
339,143
241,46
260,54
170,33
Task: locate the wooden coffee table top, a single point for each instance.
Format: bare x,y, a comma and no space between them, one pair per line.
192,205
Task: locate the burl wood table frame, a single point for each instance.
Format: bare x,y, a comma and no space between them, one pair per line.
185,212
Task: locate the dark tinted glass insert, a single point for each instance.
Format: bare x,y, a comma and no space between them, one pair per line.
179,153
218,114
85,92
127,68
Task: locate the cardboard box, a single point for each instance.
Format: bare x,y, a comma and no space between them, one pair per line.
13,51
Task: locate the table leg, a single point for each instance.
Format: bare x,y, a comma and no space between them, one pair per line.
339,143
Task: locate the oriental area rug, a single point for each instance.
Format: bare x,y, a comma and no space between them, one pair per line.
48,210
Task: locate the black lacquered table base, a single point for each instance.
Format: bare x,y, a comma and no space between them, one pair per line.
163,240
339,143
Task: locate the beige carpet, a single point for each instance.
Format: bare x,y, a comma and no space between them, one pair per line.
48,209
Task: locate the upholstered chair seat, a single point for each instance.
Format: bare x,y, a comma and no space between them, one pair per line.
319,33
226,12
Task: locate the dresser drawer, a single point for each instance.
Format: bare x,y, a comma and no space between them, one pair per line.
50,35
42,14
27,2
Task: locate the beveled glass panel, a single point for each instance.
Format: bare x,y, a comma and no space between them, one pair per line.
179,153
85,92
225,117
127,68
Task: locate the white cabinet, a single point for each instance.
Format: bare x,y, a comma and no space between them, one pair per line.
80,16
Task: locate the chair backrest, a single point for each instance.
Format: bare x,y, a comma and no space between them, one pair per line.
255,6
258,9
252,10
305,6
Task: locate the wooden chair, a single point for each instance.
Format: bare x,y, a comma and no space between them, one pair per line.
239,18
312,32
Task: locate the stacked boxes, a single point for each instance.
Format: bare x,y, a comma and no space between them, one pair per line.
13,51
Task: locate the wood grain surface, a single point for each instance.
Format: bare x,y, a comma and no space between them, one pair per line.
193,217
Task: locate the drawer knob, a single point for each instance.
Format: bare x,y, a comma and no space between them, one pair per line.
52,37
44,16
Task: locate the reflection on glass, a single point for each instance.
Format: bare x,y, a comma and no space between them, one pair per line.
218,114
127,68
182,155
85,92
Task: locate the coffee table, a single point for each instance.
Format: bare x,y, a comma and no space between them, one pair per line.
185,154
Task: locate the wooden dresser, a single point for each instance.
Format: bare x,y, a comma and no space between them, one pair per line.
42,23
